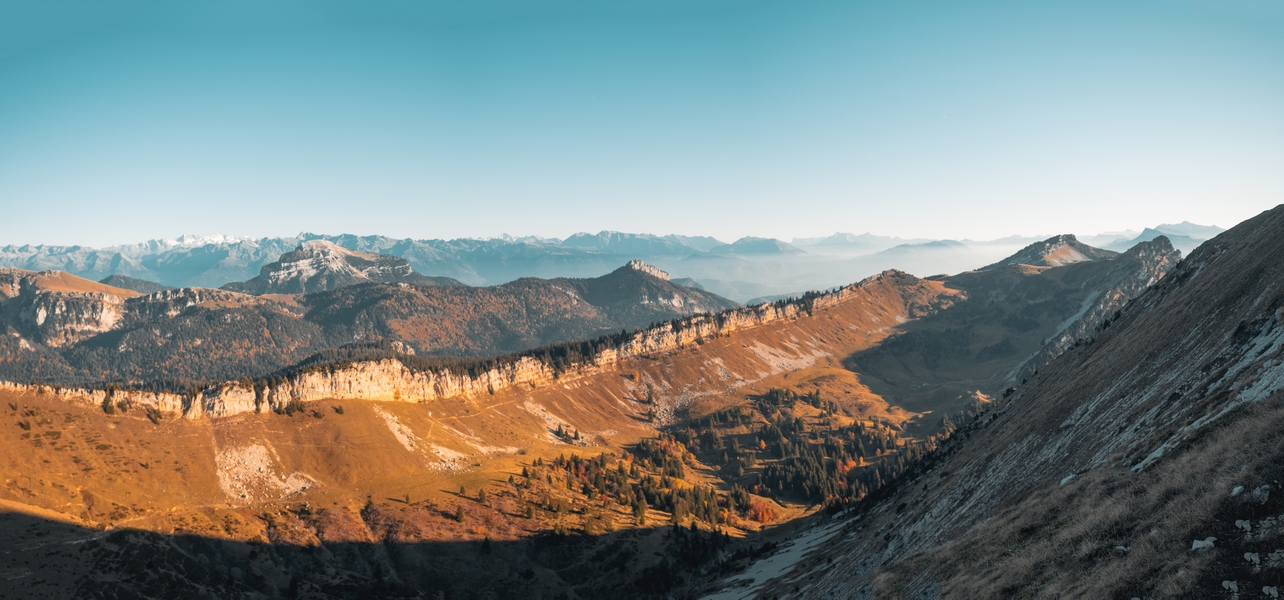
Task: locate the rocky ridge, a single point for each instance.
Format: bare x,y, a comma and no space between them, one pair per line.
638,265
391,380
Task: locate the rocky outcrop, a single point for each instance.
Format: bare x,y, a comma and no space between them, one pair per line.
655,272
56,309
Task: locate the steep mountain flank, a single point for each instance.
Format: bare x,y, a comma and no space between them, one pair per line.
320,265
1144,462
1022,314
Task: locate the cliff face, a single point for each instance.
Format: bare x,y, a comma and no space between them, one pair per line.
56,309
904,296
655,272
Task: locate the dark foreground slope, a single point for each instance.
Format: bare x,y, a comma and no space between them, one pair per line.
1098,477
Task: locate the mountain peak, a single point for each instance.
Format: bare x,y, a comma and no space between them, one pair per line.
638,265
320,265
1055,251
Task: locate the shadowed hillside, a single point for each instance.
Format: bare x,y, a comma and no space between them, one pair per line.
1144,462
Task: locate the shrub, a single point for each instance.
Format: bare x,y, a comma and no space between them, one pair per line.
762,513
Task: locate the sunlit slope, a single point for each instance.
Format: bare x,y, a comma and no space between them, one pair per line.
134,469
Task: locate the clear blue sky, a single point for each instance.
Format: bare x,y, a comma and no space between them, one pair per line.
121,122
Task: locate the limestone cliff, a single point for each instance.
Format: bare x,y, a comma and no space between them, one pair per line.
390,380
56,309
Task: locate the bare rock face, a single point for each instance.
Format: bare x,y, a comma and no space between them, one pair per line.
655,272
57,309
320,265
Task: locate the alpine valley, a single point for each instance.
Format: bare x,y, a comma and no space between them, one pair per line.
341,425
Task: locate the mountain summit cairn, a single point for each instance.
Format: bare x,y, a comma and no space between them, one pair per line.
638,265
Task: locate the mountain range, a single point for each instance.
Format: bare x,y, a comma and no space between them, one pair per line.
63,329
750,268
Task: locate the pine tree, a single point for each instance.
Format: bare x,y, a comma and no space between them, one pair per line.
459,513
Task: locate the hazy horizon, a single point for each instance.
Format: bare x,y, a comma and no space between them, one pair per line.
214,236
